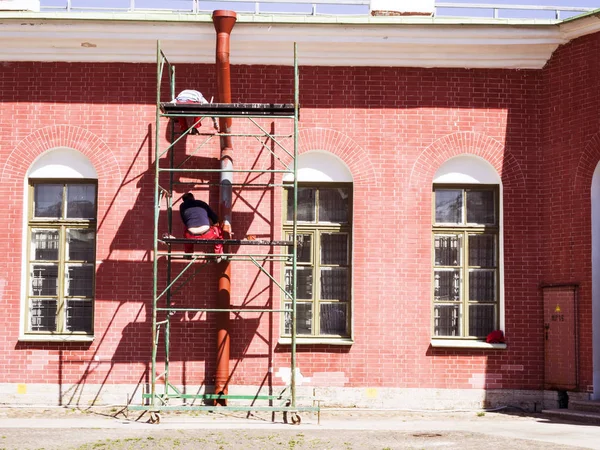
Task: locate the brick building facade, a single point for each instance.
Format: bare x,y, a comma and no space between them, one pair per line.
394,129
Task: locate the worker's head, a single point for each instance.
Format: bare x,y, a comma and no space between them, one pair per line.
187,196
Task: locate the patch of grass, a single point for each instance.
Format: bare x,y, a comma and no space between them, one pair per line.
480,414
99,445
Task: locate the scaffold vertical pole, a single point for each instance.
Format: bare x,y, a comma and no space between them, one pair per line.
169,199
295,228
159,68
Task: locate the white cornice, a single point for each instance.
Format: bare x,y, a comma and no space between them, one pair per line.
588,24
331,41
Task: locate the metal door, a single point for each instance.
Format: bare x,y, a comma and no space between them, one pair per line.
560,337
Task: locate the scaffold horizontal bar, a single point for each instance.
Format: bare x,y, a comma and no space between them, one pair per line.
219,396
232,116
246,186
230,256
210,310
225,242
224,408
243,109
228,170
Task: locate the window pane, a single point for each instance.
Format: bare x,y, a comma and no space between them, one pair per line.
79,315
44,279
482,285
81,201
304,287
448,250
334,248
44,245
47,199
446,321
333,205
80,244
303,247
481,320
447,285
303,318
306,204
334,283
448,206
333,318
480,207
42,315
482,250
80,280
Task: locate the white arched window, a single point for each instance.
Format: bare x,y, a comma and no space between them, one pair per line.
60,246
467,269
324,220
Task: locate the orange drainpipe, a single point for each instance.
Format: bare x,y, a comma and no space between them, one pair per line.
224,22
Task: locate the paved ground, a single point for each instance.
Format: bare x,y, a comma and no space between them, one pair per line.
103,428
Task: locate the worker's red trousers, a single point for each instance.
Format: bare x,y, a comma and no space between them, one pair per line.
183,122
214,232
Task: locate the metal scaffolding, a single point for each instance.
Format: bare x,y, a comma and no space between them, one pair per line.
167,279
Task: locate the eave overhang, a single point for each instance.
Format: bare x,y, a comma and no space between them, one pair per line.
322,40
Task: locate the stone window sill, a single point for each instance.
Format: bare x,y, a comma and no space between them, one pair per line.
316,340
465,343
56,338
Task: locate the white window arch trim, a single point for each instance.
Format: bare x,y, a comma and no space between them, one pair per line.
472,169
320,166
57,163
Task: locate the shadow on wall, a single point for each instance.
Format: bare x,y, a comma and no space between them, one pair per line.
124,293
512,101
192,349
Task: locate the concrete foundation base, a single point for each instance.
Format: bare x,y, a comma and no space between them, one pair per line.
330,397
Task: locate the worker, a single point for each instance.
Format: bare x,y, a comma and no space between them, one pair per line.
200,222
192,96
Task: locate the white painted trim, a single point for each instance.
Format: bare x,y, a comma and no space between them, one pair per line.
62,163
54,338
464,343
320,166
595,200
572,29
313,341
24,257
322,41
466,169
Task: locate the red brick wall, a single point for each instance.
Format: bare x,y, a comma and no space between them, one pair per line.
393,127
571,151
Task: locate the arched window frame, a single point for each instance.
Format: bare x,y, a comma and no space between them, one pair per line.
324,251
464,176
58,287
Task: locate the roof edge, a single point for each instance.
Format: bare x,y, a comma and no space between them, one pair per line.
174,16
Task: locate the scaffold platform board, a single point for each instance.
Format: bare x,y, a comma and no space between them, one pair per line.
229,109
226,242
